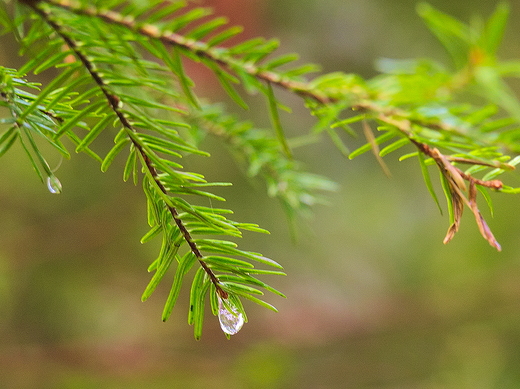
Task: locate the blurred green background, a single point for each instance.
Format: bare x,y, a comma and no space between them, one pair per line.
375,300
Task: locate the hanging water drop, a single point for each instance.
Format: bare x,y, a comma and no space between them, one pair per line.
230,322
53,184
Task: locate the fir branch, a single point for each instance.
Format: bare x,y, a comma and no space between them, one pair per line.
114,102
220,57
296,189
198,48
217,58
105,42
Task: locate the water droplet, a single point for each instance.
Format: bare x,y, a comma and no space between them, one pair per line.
53,184
230,322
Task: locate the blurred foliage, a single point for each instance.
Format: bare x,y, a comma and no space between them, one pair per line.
394,309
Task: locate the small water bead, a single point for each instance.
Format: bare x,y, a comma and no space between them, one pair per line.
230,322
53,184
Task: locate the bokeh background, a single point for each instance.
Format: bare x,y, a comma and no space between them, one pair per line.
375,300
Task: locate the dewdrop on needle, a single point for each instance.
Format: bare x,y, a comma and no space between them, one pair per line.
53,184
230,322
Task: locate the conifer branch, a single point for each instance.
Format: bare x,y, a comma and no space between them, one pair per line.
355,98
110,50
114,102
303,89
200,49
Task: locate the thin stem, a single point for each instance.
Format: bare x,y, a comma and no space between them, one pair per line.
198,48
114,103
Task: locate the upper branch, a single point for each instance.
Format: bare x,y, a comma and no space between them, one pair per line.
227,61
198,48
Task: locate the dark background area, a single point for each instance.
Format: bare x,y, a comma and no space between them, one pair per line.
375,300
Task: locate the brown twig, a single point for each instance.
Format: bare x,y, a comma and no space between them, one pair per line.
456,183
445,163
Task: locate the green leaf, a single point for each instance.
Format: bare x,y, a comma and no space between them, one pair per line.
495,27
224,79
515,161
73,121
154,231
508,189
280,61
60,94
338,142
46,91
148,103
447,193
256,300
165,263
204,29
113,153
261,51
196,291
185,263
7,21
131,165
219,247
453,34
487,197
249,81
224,36
497,124
246,46
350,120
163,150
213,300
235,301
427,180
301,70
221,260
35,149
189,17
174,62
154,205
7,139
154,141
199,309
247,279
251,227
275,120
37,58
94,132
393,146
39,129
367,147
492,174
184,190
87,151
493,87
236,288
164,10
52,61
